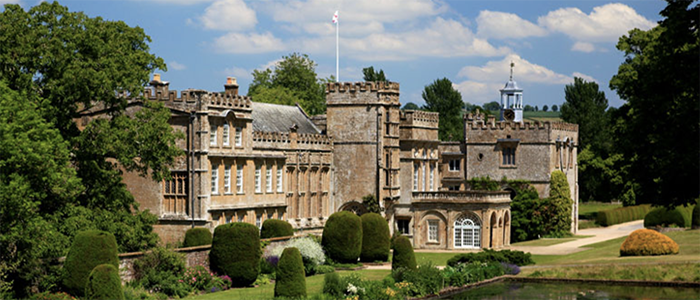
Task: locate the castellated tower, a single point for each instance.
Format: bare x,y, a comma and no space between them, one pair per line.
363,119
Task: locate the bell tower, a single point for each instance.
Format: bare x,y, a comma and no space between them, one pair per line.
511,100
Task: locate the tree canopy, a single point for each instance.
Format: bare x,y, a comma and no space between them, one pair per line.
657,128
56,67
492,106
293,80
440,96
411,106
369,74
585,105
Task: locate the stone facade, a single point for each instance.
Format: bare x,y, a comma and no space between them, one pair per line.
248,162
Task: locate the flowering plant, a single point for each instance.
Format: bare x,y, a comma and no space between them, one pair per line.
198,278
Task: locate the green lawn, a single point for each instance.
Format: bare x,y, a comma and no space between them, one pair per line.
437,258
314,286
549,242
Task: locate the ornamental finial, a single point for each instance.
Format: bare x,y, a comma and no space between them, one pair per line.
512,64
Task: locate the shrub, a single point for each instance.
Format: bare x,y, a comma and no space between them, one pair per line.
290,281
488,256
268,264
527,220
560,201
235,251
198,278
642,242
311,252
132,292
376,239
342,237
403,258
324,269
197,237
90,249
104,283
467,273
332,285
51,296
622,214
160,270
661,216
427,278
275,228
695,222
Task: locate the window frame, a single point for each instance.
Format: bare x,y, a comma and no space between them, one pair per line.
433,228
238,137
268,179
227,179
239,179
214,179
213,138
258,179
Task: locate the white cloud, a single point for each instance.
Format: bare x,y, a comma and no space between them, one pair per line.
524,71
229,15
583,47
238,73
178,2
584,77
176,66
604,24
3,2
241,43
478,92
500,25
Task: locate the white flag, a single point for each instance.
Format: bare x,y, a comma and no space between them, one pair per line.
335,17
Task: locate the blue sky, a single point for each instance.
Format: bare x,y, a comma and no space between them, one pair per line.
415,42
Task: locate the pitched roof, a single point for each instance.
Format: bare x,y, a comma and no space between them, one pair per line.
280,118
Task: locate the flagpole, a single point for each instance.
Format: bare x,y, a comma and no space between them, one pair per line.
337,55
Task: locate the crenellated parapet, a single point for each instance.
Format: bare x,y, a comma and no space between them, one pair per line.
563,126
225,100
313,139
271,137
355,87
362,93
546,125
217,100
461,197
419,118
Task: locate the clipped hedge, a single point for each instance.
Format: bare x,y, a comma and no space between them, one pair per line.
104,283
661,216
376,239
235,251
342,237
403,258
518,258
197,237
90,248
622,214
290,280
643,242
272,228
695,223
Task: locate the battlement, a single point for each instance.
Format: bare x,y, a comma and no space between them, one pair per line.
478,121
271,137
415,116
313,139
229,101
221,100
354,87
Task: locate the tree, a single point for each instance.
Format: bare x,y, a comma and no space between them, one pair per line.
293,80
528,107
57,67
545,108
441,97
492,106
370,75
585,105
658,129
536,108
470,107
555,108
410,106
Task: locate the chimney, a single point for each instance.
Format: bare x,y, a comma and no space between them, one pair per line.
231,86
160,87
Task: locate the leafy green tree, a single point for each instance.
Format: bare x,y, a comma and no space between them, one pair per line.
469,107
293,80
410,106
555,108
441,97
585,105
56,67
658,129
536,108
560,203
528,107
545,108
369,74
371,204
492,106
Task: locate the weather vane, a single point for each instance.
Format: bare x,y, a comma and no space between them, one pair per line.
511,70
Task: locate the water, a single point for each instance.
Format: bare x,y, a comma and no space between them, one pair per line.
598,291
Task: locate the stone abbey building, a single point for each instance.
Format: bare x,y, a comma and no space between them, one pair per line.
248,162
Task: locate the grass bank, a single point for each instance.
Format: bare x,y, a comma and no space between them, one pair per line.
549,242
652,272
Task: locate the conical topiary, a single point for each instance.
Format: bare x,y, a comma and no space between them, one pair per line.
376,240
342,237
290,281
235,251
403,258
90,248
104,283
197,237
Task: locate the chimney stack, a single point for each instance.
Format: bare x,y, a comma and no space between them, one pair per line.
231,86
160,87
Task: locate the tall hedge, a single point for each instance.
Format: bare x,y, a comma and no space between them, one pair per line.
560,200
403,254
622,214
695,222
290,281
275,228
90,248
376,239
235,251
661,216
342,237
104,283
197,237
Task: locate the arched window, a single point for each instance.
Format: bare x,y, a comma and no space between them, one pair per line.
467,232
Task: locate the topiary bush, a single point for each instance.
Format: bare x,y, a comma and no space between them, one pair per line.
235,251
90,248
661,216
643,242
332,285
342,237
622,214
272,228
403,258
197,237
376,239
561,203
104,283
290,281
695,222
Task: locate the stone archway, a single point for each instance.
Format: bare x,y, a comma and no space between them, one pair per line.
354,207
512,192
467,231
493,223
506,228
